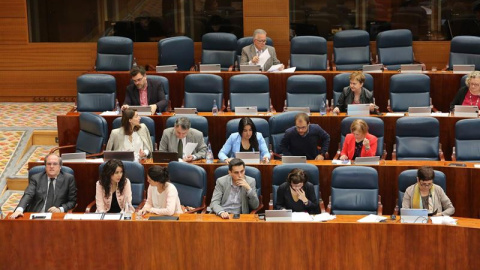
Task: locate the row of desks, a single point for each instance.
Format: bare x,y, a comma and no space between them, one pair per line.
463,183
443,86
68,129
211,243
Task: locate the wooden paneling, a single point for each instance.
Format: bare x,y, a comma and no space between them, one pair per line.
13,31
265,8
432,53
48,56
276,27
13,9
38,83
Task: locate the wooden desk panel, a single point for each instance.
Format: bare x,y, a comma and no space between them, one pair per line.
338,244
462,183
443,86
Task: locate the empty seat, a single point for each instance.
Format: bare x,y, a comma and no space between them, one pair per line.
308,53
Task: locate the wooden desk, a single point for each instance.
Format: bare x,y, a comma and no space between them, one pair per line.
462,183
216,244
443,86
68,129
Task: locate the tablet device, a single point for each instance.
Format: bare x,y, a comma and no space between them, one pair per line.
466,111
164,157
210,68
249,157
294,159
166,68
141,110
358,110
367,160
373,68
250,68
162,218
252,110
414,68
278,215
413,215
185,111
463,69
74,157
298,109
419,111
120,155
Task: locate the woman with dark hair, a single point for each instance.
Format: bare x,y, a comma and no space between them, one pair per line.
131,136
162,196
113,188
297,194
244,141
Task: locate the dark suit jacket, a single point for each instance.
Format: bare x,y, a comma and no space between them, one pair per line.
285,199
459,97
36,193
347,96
155,95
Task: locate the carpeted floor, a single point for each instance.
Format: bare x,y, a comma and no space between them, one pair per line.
41,115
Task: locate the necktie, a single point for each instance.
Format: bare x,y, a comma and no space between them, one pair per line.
180,149
50,194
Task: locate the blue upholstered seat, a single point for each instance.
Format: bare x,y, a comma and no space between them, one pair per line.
306,91
394,48
351,49
278,124
250,90
201,90
308,53
176,51
96,93
467,140
219,48
465,50
417,138
93,133
114,54
191,183
409,90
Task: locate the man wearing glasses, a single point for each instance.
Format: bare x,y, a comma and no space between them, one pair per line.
51,191
253,54
144,92
303,138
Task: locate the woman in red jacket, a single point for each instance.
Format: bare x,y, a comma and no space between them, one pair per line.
359,143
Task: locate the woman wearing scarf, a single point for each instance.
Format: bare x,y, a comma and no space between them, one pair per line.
426,195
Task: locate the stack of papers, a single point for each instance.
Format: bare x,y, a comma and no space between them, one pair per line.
341,162
371,219
109,113
443,220
324,217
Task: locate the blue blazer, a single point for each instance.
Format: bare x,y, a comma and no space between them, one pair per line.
232,146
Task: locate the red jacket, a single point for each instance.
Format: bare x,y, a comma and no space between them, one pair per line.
348,148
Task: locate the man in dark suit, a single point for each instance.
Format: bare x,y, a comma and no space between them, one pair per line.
51,191
144,92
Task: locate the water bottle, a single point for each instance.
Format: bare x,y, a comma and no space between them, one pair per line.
270,149
270,203
323,108
117,107
214,108
209,154
285,106
127,210
134,62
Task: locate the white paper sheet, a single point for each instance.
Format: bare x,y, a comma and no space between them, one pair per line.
288,70
371,218
301,216
394,114
189,148
263,58
275,68
41,216
341,162
112,216
324,217
443,220
109,113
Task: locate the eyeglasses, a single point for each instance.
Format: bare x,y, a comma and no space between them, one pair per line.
426,184
139,79
261,40
52,163
301,128
474,84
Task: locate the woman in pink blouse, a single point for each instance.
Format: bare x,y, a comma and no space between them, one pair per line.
162,198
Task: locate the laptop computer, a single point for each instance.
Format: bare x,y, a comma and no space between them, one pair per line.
375,160
413,215
120,155
74,157
358,110
164,157
298,109
463,69
413,68
166,68
278,215
294,159
466,111
142,110
185,111
252,110
250,68
377,68
210,68
249,157
419,111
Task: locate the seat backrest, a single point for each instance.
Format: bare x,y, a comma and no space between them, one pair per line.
245,41
166,85
463,80
278,124
135,172
417,138
306,91
351,49
467,140
41,168
117,122
249,171
96,93
93,133
465,50
375,127
190,181
260,124
176,51
250,90
409,90
342,80
394,48
219,48
201,90
354,191
409,177
280,173
199,123
114,54
308,53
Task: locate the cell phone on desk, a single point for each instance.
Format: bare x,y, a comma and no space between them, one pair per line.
236,216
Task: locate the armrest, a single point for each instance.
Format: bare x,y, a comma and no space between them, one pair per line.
334,66
150,67
272,109
394,152
57,148
389,109
329,207
440,152
260,206
89,207
71,210
380,206
454,154
202,208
